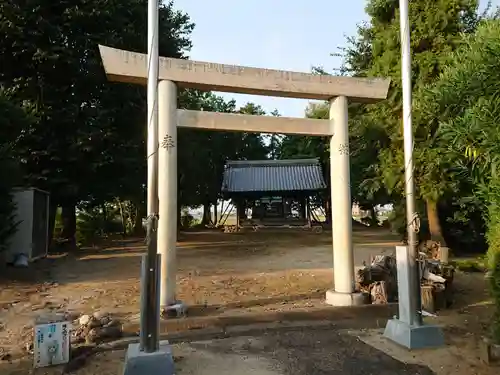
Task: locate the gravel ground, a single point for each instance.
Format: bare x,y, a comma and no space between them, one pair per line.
307,350
217,272
233,276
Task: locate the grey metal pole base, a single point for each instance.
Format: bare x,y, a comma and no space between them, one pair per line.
414,337
403,330
160,362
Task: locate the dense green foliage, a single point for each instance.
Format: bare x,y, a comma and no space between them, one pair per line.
7,207
87,145
11,117
436,28
377,167
464,106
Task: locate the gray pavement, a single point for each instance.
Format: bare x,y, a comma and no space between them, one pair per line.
298,352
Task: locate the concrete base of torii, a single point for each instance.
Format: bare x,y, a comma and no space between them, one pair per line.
160,362
334,298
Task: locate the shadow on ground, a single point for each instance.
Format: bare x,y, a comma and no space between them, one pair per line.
303,351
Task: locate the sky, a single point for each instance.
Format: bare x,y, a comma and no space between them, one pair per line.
274,34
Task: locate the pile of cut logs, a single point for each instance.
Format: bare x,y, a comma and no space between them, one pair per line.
379,279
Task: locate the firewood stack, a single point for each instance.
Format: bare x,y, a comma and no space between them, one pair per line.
437,280
433,250
430,249
437,276
379,280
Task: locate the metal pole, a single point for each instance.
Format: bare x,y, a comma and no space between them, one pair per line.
411,214
150,309
152,115
150,312
144,287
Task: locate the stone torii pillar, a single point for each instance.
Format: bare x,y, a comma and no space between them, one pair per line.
130,67
343,293
167,190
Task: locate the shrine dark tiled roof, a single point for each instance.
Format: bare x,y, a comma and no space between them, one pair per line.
273,176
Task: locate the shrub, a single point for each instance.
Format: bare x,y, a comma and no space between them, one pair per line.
493,255
494,278
91,225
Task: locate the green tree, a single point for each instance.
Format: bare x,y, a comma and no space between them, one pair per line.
436,28
274,140
88,142
464,106
13,119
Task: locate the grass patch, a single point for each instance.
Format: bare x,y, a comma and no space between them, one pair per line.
470,264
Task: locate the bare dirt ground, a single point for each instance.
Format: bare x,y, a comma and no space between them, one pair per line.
219,275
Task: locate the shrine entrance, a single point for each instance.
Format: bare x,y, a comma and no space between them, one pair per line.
130,67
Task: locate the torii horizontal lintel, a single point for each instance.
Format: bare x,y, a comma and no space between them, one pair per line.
131,67
252,123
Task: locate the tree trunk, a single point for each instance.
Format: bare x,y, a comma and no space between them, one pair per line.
104,226
138,228
243,210
206,214
308,211
302,208
68,217
216,219
328,211
179,220
122,216
52,221
435,230
373,216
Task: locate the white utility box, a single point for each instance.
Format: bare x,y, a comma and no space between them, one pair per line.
52,343
32,237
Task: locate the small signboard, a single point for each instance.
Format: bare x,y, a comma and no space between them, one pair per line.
52,343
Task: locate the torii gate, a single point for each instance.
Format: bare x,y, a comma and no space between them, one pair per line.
131,67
